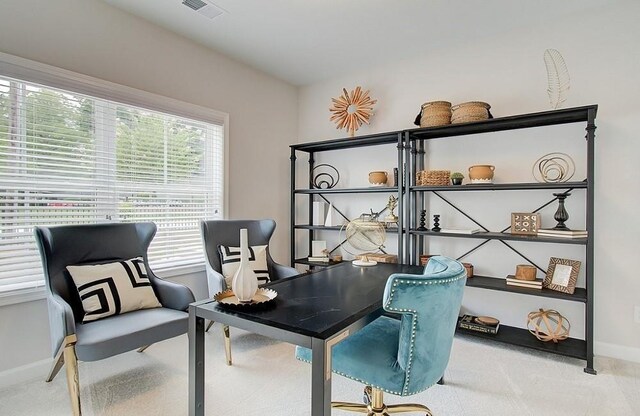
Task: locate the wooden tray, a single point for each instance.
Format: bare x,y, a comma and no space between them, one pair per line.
262,298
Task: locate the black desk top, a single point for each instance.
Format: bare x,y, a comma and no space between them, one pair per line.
320,304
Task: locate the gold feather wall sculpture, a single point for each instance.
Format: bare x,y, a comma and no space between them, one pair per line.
350,110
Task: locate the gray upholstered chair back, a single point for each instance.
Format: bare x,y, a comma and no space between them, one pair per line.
227,233
88,244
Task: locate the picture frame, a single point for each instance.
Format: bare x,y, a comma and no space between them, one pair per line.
562,275
525,223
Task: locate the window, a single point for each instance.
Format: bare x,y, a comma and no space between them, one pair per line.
68,158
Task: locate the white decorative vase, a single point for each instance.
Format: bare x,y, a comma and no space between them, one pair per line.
245,282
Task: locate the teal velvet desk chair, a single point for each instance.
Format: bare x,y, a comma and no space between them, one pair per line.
407,356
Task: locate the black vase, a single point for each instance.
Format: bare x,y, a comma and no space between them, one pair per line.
456,181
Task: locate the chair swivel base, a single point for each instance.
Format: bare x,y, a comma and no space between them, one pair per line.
374,405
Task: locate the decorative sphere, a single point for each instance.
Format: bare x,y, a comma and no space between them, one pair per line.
365,235
548,325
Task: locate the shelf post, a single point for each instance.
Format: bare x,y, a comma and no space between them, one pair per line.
292,212
420,164
590,136
406,173
400,186
311,232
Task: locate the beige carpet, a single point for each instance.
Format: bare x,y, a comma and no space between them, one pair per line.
483,378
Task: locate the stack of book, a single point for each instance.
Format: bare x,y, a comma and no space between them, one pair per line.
379,257
551,232
472,323
318,259
461,230
531,284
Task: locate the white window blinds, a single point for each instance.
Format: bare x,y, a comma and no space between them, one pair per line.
67,158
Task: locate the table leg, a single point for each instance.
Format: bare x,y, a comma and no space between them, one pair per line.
196,363
320,379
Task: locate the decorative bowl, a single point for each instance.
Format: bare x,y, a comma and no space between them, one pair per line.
378,178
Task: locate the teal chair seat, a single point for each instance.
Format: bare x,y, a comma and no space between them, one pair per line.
379,366
408,355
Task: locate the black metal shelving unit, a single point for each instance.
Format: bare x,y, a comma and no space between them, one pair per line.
411,151
414,155
338,144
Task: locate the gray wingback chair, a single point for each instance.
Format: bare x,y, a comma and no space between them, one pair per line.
73,340
227,233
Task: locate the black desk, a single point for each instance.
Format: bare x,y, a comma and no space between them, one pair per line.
315,310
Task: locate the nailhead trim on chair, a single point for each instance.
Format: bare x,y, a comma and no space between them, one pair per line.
414,319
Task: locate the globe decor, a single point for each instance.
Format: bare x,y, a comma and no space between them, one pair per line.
548,325
364,235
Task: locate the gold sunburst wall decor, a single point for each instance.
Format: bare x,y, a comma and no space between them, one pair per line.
352,109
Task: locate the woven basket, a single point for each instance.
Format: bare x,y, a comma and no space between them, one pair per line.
435,113
433,178
468,112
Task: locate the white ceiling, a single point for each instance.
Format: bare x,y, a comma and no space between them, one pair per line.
304,41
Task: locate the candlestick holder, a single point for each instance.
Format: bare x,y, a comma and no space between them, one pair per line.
561,214
436,223
423,214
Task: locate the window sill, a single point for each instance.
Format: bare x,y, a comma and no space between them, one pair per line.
38,293
22,295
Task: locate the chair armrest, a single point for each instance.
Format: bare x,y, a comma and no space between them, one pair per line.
61,320
173,295
278,271
215,281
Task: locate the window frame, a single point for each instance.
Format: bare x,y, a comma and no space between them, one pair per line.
31,71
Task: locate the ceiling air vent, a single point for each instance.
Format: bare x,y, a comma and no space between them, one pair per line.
203,8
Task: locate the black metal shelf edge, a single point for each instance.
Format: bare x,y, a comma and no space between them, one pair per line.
570,347
349,142
501,187
317,227
316,263
520,121
495,283
375,189
503,236
390,230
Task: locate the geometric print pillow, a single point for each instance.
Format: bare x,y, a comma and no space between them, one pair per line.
113,288
230,260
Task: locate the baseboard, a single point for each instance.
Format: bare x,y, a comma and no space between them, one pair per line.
617,351
29,372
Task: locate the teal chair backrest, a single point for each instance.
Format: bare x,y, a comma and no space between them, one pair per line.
429,304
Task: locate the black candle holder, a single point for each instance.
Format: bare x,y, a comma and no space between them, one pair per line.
561,214
423,214
436,223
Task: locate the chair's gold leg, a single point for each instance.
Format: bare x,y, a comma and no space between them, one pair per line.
58,362
351,407
208,326
73,383
141,349
377,402
227,343
400,408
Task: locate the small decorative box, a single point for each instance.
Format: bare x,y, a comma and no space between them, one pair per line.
525,223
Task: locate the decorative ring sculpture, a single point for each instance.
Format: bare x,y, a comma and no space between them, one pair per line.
554,167
548,325
326,179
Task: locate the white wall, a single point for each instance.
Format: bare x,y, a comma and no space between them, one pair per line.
603,56
93,38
